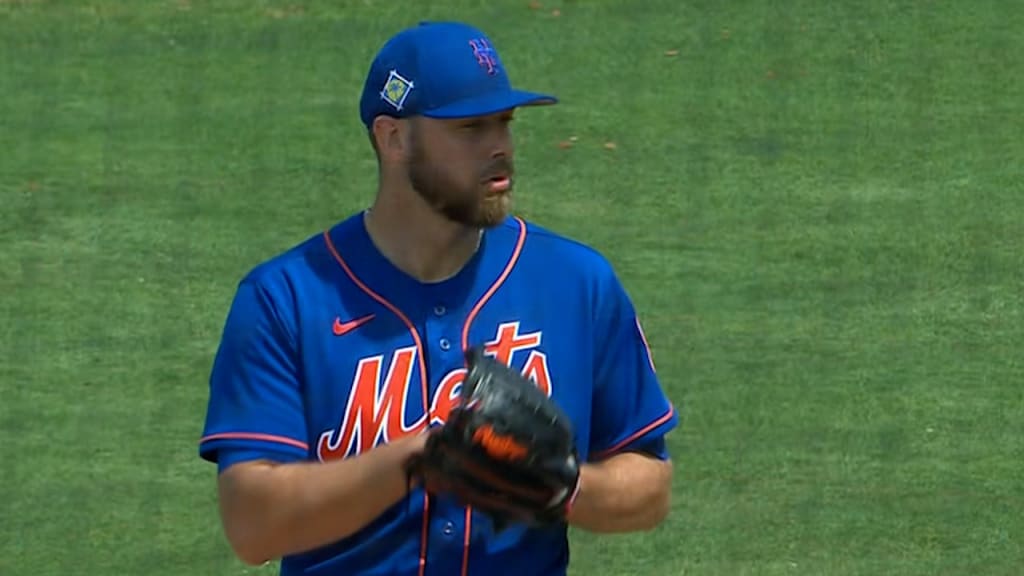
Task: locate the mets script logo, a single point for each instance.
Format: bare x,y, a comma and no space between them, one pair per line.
485,55
376,409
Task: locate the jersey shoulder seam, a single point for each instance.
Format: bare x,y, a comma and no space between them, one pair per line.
605,265
276,264
533,229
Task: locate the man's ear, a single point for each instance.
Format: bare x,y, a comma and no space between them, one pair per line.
390,138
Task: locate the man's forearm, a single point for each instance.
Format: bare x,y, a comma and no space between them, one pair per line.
270,511
627,492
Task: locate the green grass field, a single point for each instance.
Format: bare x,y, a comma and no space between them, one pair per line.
818,208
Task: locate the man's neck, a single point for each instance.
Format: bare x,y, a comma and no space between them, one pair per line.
419,241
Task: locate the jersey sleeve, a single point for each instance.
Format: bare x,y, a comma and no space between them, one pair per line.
630,409
255,408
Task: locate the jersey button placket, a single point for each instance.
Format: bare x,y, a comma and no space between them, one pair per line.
444,557
441,333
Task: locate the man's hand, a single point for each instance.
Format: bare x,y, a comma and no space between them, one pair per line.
507,449
628,492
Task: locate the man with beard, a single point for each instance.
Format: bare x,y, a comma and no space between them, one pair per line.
338,355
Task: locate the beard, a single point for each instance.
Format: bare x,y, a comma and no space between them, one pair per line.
466,205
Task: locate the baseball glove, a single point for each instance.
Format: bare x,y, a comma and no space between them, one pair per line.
507,450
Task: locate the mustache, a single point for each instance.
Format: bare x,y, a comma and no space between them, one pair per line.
500,166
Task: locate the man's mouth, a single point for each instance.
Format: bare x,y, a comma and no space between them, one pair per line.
499,183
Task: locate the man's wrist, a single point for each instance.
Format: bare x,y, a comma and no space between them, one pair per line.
570,503
578,496
410,449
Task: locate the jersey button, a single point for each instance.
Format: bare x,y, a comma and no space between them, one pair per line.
445,344
439,310
448,528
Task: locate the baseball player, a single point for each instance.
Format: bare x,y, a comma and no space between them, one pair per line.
340,354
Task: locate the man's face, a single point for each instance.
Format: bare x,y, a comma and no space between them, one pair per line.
464,167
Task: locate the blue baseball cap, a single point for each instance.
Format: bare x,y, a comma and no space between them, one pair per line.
440,70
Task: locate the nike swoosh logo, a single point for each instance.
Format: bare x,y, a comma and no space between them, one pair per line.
341,328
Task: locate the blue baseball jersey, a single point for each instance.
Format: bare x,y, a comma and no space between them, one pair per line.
329,350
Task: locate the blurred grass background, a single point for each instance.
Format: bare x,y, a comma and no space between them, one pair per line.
817,208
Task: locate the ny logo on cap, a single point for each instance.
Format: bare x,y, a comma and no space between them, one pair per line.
485,55
396,89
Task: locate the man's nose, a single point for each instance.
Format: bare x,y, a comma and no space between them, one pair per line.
501,142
